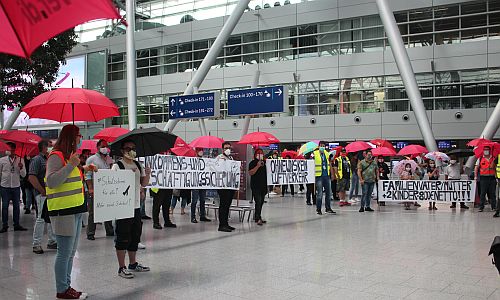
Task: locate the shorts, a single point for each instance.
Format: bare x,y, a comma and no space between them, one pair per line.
128,232
343,185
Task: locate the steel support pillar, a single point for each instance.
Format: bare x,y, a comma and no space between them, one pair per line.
246,121
407,74
212,54
131,66
12,118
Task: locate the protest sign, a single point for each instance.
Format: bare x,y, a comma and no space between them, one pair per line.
289,171
114,195
427,190
180,172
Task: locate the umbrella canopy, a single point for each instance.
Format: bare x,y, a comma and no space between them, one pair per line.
477,142
259,138
88,145
110,134
383,151
4,147
208,142
383,143
26,142
308,147
436,155
28,24
70,105
149,141
401,165
289,153
357,146
412,150
461,152
495,149
180,143
183,151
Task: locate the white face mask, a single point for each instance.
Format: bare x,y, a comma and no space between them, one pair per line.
227,152
49,149
260,156
8,152
408,169
130,155
104,151
432,165
486,152
200,153
453,161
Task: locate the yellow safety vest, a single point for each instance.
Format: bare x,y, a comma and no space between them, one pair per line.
318,163
67,195
498,166
340,165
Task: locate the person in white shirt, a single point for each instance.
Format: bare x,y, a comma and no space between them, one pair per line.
11,170
225,195
454,171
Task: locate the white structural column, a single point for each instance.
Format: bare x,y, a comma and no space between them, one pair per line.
407,74
131,66
12,118
488,133
211,56
246,121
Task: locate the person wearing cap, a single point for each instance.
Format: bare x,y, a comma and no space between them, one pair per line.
486,171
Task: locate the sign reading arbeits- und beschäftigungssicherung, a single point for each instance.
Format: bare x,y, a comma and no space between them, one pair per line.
114,195
427,190
289,171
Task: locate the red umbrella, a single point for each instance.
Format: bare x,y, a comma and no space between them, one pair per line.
29,23
26,142
412,150
208,141
357,146
70,105
259,138
110,134
477,142
383,151
180,143
4,147
88,145
183,151
290,154
495,149
383,143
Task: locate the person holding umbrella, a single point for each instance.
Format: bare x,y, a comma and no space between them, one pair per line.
433,173
454,172
486,172
258,183
225,196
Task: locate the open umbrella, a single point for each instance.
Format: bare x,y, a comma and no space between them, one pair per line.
401,165
180,142
88,145
383,151
207,141
259,138
495,149
357,146
436,155
289,153
477,142
110,134
27,24
149,141
26,142
412,150
183,151
70,105
383,143
461,152
4,147
308,147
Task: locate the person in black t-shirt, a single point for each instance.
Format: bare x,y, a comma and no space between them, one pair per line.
258,183
384,171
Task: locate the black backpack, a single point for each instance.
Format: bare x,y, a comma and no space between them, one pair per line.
122,166
495,250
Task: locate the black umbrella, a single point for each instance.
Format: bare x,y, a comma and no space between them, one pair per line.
149,141
461,152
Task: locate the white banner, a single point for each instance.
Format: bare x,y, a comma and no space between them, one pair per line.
427,190
289,171
179,172
114,195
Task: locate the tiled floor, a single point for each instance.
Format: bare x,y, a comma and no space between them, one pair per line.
390,254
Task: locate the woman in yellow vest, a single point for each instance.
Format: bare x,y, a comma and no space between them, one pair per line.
65,203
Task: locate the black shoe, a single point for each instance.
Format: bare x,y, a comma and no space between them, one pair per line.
368,209
90,238
497,214
231,227
157,226
38,250
453,206
170,225
20,228
146,217
481,209
318,211
463,206
27,212
194,221
225,229
308,203
205,219
330,211
52,246
110,234
362,209
4,229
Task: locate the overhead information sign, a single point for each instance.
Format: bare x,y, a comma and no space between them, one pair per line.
272,99
195,106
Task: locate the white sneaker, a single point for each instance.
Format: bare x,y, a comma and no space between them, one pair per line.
273,193
125,273
141,246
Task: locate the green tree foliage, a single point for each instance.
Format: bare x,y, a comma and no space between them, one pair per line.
22,80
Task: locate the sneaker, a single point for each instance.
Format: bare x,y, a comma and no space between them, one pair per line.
368,209
464,206
362,209
318,211
81,294
141,246
417,205
4,229
194,221
123,272
205,219
37,250
90,237
496,215
52,246
157,226
20,228
71,294
137,267
27,212
231,227
146,217
308,203
225,229
480,210
273,193
170,225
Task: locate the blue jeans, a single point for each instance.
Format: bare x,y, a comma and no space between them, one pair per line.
8,194
175,199
323,182
30,197
40,224
143,208
201,195
367,188
66,249
354,185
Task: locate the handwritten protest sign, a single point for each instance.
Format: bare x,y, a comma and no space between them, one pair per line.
179,172
289,171
114,195
427,190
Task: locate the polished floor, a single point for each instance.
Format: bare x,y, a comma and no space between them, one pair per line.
387,254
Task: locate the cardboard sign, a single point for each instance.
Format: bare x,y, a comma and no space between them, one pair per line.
114,195
289,171
427,190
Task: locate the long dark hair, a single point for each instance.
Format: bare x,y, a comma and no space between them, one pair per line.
66,143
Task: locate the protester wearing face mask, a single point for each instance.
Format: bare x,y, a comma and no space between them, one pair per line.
258,183
100,160
201,196
453,172
322,177
225,196
486,171
433,173
368,176
383,171
342,174
408,174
